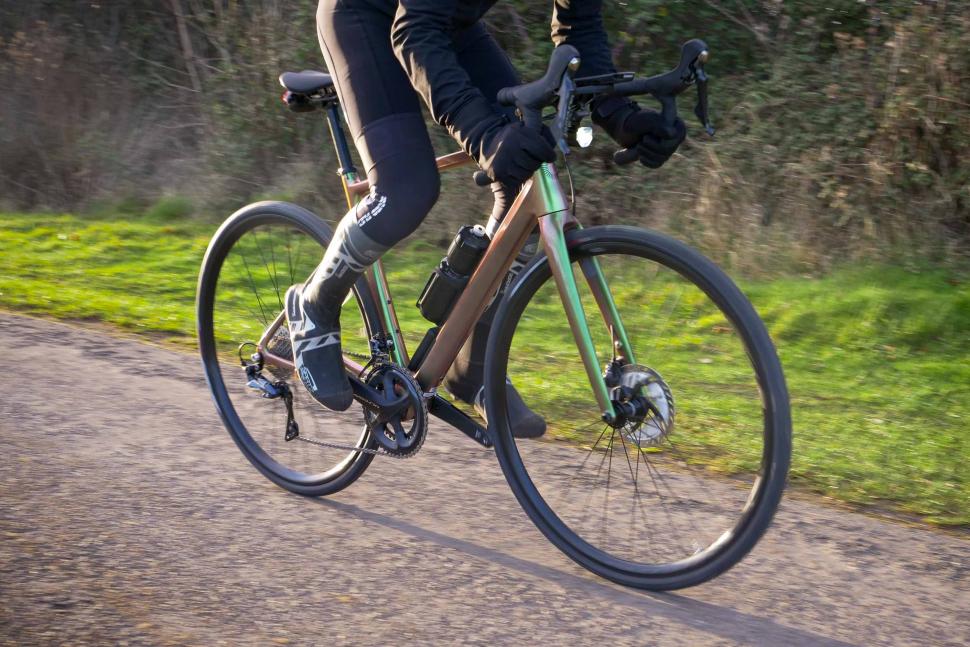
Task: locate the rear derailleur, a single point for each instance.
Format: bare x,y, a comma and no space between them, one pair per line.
270,390
395,408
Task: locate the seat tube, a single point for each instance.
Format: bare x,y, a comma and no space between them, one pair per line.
553,237
392,327
375,280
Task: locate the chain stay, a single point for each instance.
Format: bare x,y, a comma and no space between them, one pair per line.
379,359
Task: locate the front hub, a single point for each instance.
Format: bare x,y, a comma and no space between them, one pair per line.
644,405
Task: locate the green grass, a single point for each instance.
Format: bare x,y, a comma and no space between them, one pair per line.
877,359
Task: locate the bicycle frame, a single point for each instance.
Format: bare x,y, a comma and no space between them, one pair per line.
541,202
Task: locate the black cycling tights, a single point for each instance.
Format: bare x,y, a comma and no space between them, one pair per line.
384,113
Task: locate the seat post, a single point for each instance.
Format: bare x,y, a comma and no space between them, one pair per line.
347,169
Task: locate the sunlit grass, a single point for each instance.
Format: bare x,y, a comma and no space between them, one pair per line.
877,359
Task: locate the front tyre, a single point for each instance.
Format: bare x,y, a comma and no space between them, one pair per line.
658,504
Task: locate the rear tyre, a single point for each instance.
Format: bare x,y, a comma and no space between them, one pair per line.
253,258
651,506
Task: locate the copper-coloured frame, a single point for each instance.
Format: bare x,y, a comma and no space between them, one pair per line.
541,201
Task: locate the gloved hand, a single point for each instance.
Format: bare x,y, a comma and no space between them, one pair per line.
511,153
630,126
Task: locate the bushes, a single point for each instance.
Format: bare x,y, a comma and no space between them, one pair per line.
170,208
842,138
842,124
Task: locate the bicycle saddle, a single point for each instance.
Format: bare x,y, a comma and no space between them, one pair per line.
306,82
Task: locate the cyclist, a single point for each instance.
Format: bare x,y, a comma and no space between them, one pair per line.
383,54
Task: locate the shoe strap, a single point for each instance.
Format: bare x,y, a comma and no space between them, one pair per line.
305,344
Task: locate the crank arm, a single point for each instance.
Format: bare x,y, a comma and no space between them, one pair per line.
391,410
447,412
368,396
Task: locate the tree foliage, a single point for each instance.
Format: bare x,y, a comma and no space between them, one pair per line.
843,124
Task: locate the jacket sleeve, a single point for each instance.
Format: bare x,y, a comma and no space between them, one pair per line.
580,24
422,43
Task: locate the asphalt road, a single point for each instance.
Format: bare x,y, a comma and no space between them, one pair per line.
128,516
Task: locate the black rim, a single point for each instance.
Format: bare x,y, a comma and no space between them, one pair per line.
766,490
220,248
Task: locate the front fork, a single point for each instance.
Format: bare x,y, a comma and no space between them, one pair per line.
622,348
552,232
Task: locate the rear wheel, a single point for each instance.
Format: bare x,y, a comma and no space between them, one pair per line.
682,490
255,256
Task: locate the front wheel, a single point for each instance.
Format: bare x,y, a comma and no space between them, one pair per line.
679,493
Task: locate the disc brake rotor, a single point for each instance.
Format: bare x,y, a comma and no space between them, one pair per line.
655,404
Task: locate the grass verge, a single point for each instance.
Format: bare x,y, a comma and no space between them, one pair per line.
877,358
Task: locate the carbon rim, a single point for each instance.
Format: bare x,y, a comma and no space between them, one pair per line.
756,509
342,465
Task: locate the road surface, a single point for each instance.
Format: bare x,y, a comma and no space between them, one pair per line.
127,515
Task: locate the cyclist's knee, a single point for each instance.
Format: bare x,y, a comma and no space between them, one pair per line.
418,194
399,202
400,163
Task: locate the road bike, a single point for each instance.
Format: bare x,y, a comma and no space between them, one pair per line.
669,430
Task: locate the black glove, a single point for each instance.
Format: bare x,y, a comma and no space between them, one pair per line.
646,130
511,153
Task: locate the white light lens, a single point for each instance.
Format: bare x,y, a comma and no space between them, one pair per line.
584,136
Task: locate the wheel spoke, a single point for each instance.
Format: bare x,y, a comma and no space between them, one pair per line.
269,272
262,308
329,456
261,315
636,483
576,473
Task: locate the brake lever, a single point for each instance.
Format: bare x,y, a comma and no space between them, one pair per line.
666,87
560,127
701,109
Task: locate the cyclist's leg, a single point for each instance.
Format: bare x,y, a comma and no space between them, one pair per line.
490,69
385,121
384,116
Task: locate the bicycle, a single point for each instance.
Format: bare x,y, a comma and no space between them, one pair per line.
696,418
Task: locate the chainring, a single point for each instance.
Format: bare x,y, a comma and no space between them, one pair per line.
657,423
402,434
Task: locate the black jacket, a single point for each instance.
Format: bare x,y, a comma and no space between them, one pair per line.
422,38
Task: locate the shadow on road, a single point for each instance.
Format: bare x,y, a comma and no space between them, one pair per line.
727,623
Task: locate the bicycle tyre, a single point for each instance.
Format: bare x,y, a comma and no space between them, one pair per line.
245,220
767,492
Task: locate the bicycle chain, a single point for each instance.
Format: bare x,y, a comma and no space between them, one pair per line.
379,451
321,443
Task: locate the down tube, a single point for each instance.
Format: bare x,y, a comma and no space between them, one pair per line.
554,242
